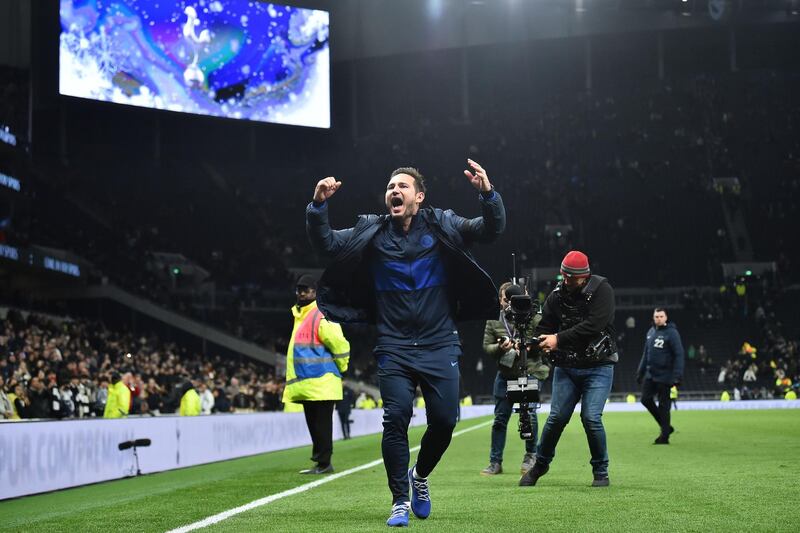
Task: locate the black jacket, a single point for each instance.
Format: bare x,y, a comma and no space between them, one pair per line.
580,319
345,296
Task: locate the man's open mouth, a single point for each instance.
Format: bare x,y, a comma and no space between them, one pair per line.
396,201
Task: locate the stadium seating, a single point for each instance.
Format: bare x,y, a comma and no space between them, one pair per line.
73,360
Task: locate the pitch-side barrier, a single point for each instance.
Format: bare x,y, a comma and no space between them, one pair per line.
42,456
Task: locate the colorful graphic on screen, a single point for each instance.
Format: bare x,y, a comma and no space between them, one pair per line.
228,58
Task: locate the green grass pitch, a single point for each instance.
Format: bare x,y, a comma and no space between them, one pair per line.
724,471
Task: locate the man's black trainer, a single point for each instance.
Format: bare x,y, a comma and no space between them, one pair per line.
530,477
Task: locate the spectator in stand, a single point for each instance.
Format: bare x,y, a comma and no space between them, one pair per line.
206,398
79,393
154,395
750,375
39,406
244,402
6,405
272,396
66,402
101,397
21,402
232,390
54,396
135,384
221,402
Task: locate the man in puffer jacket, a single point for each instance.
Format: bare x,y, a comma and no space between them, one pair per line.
661,368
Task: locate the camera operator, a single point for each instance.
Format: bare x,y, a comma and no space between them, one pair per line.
577,335
498,342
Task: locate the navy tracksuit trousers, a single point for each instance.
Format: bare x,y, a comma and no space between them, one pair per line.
399,372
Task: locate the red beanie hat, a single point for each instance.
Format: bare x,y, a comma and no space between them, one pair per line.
575,265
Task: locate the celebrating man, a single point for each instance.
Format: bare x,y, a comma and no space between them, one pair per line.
409,273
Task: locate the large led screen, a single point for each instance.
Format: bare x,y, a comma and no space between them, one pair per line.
227,58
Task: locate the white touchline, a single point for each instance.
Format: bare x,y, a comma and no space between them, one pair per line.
297,490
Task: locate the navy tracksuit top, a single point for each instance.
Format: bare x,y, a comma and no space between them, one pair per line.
411,288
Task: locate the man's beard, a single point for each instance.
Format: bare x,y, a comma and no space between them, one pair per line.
573,290
302,302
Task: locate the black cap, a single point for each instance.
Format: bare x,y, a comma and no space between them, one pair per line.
307,280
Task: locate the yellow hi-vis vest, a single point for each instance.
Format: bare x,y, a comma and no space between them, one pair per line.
12,398
190,403
119,401
317,355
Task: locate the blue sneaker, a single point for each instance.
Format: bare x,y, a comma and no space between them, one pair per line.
399,516
420,496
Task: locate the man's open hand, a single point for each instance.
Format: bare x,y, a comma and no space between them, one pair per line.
478,176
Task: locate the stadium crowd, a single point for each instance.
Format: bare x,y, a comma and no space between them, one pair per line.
769,366
62,368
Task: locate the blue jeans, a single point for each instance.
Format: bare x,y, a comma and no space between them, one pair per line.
502,413
590,386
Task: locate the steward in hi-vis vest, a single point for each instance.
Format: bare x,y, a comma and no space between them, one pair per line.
317,356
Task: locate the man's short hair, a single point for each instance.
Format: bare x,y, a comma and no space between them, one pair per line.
660,310
419,179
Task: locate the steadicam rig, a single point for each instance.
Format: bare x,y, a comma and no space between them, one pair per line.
524,390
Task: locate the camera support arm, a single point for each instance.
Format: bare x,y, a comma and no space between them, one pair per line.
523,390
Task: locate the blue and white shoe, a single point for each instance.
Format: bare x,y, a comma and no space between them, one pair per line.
399,516
420,495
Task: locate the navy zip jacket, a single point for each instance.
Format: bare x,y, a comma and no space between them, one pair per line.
662,360
413,287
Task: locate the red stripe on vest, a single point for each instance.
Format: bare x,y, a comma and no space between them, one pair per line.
308,332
